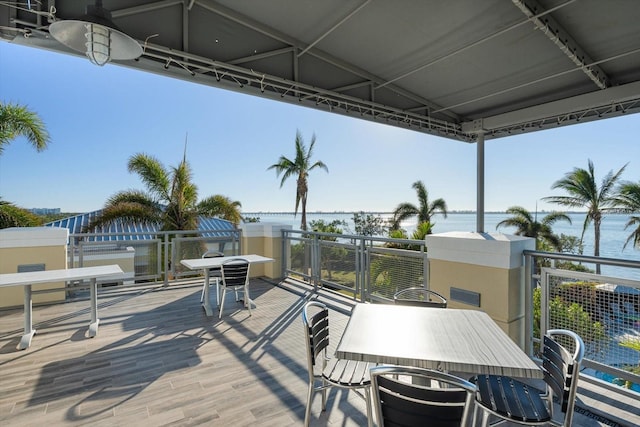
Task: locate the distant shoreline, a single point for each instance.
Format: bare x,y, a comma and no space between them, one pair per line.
391,213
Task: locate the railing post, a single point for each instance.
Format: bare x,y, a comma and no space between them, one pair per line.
528,304
285,255
425,267
544,304
358,258
81,254
318,259
166,258
365,285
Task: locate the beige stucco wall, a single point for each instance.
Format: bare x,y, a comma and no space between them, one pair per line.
501,295
32,245
264,239
489,264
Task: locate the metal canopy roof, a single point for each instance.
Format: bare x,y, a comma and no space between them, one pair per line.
122,230
454,69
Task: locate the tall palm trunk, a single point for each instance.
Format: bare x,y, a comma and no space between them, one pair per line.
303,220
596,243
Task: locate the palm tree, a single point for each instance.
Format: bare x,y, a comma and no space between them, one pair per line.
17,120
171,201
527,225
14,216
585,193
424,211
628,201
300,166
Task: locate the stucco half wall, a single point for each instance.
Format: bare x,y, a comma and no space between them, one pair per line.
30,246
488,265
264,238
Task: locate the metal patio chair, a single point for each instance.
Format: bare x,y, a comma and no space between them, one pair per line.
331,372
214,273
235,275
517,402
401,403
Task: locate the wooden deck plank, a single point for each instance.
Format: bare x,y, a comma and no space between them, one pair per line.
159,360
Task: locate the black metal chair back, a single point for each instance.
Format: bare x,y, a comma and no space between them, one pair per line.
420,297
235,275
317,330
235,272
561,368
402,403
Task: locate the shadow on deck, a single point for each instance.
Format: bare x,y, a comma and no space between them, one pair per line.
158,360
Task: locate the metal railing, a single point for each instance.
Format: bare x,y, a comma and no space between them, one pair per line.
603,310
150,257
364,268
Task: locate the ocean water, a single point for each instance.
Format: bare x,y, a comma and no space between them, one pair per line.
613,234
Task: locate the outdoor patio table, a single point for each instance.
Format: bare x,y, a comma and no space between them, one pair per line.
449,340
206,264
27,279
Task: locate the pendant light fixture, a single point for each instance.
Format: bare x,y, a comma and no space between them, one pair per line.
96,35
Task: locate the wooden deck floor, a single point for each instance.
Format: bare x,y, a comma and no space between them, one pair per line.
158,360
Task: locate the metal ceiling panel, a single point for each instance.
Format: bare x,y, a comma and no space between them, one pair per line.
453,69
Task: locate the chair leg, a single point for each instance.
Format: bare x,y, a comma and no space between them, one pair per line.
217,291
367,396
247,299
485,418
307,411
224,291
324,395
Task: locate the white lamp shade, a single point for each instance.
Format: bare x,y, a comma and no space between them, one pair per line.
104,40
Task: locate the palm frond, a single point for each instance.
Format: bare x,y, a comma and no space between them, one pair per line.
17,120
153,175
222,207
634,237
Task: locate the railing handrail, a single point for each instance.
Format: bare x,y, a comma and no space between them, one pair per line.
357,237
617,262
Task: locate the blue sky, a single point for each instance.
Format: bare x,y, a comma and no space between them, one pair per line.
99,116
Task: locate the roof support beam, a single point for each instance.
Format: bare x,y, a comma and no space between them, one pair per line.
283,38
135,10
326,33
258,56
185,26
564,41
556,110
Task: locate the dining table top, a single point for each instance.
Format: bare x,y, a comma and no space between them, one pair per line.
446,339
202,263
60,275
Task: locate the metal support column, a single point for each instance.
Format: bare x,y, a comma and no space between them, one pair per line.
480,184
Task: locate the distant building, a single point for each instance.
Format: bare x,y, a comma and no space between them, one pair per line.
45,211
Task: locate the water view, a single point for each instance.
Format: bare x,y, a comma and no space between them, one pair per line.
613,234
